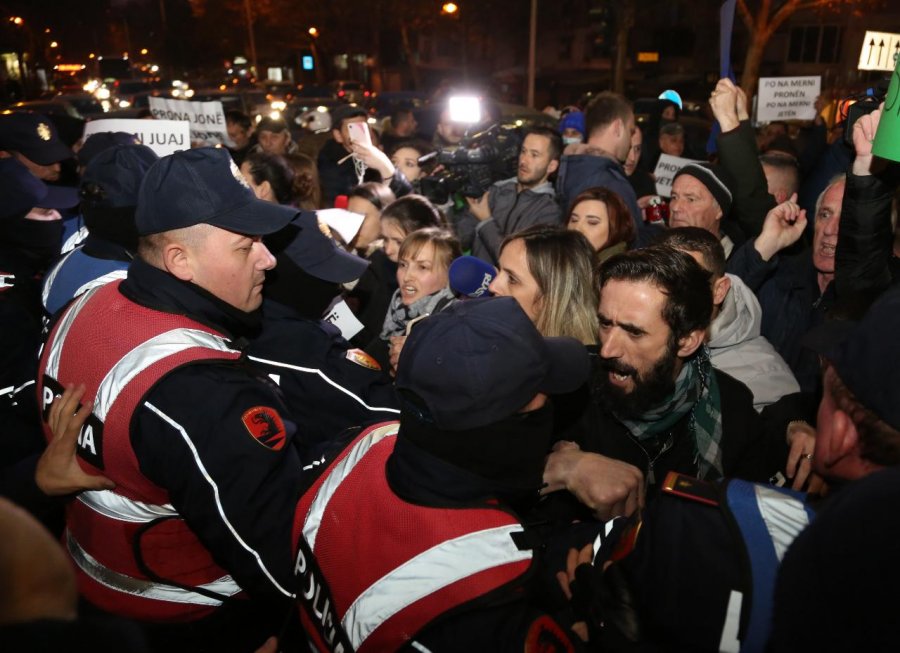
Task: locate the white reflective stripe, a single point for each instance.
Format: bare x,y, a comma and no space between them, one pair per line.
312,370
419,647
729,642
427,573
144,588
101,281
336,477
146,354
115,506
50,279
62,331
215,489
783,515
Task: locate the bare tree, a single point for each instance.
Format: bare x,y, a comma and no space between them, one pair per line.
762,18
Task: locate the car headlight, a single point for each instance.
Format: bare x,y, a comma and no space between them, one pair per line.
278,105
275,115
124,104
102,93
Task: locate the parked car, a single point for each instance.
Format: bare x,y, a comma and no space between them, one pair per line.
350,91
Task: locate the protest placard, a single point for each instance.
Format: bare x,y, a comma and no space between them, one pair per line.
665,171
207,119
162,136
787,98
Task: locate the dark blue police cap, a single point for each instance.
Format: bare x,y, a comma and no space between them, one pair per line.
96,143
480,361
317,254
114,175
204,186
34,136
22,191
866,356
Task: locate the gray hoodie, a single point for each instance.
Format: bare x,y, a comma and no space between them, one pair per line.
738,349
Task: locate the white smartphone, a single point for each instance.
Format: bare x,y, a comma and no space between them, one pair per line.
359,133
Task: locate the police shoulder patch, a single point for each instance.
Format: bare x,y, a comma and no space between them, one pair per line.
362,359
547,636
266,427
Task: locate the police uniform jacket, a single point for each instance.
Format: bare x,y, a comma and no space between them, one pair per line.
327,384
194,436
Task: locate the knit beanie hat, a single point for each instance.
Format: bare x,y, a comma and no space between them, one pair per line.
716,179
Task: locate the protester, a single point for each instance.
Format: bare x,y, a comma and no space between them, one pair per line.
403,216
549,271
423,287
602,217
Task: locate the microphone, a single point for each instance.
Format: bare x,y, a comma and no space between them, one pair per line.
470,276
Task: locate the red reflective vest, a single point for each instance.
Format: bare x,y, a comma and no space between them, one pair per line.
119,350
374,570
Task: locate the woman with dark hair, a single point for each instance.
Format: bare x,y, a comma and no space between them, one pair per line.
370,296
402,217
603,218
405,157
270,176
369,199
550,272
307,190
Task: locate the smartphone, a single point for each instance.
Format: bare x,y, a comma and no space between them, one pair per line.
359,133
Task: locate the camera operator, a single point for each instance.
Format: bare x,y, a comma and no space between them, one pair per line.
513,204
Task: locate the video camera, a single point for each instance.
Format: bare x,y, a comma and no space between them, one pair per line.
474,165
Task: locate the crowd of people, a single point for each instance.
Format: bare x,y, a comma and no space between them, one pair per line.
542,418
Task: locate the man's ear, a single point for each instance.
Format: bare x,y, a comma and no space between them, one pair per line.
337,136
720,290
689,344
264,191
554,164
177,260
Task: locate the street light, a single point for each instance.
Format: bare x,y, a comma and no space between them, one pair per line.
54,44
16,20
144,51
449,8
313,32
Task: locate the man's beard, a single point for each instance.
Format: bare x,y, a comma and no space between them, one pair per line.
529,181
649,390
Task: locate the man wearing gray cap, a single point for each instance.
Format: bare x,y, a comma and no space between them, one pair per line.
196,443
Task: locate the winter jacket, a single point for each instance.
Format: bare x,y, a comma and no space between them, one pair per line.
752,201
736,347
578,172
511,212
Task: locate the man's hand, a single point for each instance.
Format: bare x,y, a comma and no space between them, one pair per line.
480,207
801,438
782,228
58,471
723,101
863,134
743,112
608,487
396,347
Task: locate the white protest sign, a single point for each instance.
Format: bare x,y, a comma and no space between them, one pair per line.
878,51
666,168
787,98
345,223
207,119
162,136
343,318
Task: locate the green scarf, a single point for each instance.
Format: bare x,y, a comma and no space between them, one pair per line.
696,392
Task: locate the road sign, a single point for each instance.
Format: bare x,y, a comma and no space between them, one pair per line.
878,51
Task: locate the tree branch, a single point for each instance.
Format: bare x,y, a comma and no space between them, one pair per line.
746,16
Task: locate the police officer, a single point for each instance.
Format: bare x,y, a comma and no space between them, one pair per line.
328,385
197,443
29,239
408,536
109,192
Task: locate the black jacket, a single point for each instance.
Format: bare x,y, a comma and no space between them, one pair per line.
327,385
746,452
237,494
